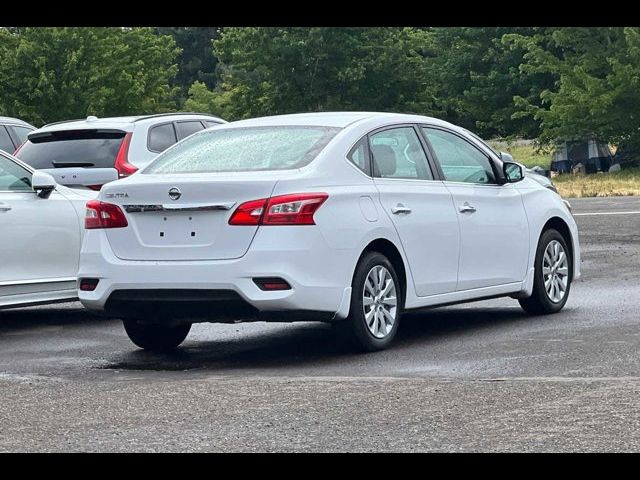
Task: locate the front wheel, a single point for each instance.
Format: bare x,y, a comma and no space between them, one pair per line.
156,337
552,275
376,304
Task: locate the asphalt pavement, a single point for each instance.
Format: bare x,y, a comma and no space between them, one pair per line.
477,377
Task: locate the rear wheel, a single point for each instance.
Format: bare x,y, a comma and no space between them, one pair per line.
376,304
552,276
156,337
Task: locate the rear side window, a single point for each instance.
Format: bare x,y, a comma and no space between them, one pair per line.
21,133
245,150
161,137
359,156
72,148
184,129
398,153
6,143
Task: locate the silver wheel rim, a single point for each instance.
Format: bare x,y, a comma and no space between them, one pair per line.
555,271
379,301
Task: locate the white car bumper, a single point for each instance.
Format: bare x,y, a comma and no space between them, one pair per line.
320,276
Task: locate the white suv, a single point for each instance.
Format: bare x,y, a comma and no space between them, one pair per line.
124,143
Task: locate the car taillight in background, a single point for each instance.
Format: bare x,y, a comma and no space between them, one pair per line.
292,209
104,215
122,164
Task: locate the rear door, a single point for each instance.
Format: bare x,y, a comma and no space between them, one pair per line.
420,207
494,232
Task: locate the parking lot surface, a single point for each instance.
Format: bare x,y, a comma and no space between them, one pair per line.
477,377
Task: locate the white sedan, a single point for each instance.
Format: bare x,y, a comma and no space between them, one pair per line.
350,218
41,227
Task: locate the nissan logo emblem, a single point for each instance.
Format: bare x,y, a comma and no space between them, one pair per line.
175,193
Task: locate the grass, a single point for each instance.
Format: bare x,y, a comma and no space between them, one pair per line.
524,151
615,184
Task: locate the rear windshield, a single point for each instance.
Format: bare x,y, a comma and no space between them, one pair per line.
72,148
244,150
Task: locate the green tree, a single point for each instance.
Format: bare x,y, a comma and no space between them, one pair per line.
196,62
268,70
478,76
596,88
49,74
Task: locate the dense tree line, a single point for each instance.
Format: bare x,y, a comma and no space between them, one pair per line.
547,83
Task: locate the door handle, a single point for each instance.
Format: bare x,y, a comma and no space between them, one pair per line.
4,208
398,209
467,208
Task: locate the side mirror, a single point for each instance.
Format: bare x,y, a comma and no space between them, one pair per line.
512,172
82,177
43,183
506,157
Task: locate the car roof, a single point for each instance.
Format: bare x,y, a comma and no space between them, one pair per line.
338,119
14,121
122,123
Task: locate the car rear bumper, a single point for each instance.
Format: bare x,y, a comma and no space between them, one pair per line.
223,290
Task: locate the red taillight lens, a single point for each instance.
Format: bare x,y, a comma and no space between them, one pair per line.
122,164
272,283
292,209
88,284
295,209
104,215
248,213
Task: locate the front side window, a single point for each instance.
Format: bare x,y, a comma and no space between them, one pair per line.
13,178
460,161
245,149
398,153
6,143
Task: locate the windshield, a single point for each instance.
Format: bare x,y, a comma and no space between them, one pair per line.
244,150
72,148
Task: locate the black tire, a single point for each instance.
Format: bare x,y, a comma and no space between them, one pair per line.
156,337
539,302
354,327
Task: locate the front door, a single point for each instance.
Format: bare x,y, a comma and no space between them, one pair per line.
494,232
39,238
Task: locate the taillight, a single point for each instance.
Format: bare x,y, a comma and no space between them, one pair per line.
249,213
122,164
104,215
292,209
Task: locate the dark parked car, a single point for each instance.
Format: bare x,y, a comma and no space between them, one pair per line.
13,133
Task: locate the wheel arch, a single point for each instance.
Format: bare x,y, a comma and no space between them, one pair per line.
392,252
562,227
